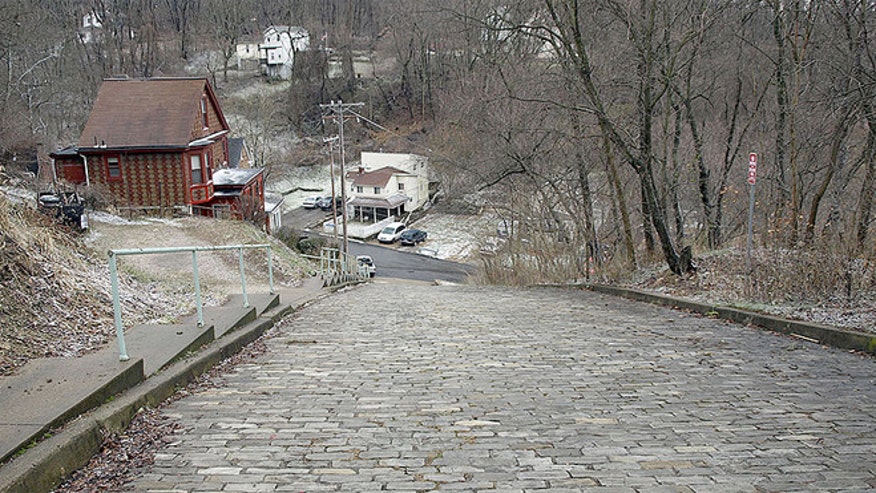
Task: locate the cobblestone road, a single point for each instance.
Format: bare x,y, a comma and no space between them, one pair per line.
402,387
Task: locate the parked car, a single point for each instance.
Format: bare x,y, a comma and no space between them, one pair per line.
326,203
311,202
366,262
412,236
391,233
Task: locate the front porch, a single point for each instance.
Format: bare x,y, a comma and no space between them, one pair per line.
377,209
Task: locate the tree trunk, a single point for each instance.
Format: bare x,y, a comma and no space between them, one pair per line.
834,164
617,187
865,205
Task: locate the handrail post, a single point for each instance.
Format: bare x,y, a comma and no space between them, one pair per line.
117,309
198,303
242,278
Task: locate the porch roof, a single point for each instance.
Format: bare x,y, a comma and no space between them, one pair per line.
390,202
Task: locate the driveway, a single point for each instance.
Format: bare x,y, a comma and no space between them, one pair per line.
408,387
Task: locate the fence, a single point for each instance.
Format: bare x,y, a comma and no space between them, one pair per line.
114,278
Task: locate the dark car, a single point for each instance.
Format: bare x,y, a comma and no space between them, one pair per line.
413,236
326,203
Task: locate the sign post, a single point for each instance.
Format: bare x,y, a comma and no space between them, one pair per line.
752,180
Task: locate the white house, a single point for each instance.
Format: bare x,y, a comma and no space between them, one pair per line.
247,56
363,67
278,48
388,184
91,28
274,211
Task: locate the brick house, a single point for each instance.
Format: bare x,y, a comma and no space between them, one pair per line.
152,144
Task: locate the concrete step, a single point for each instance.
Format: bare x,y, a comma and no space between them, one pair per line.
46,393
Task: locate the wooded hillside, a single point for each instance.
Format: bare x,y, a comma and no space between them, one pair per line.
612,130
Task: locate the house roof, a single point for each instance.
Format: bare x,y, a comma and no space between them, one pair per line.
146,113
377,178
273,201
234,176
292,30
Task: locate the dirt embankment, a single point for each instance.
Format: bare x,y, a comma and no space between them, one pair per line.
55,295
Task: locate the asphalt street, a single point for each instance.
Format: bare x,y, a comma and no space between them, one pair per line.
400,263
410,387
405,264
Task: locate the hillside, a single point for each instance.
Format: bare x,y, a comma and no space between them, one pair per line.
55,297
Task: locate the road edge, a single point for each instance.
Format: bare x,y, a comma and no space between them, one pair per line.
809,331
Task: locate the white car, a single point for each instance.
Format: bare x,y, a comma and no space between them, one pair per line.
365,262
311,202
391,233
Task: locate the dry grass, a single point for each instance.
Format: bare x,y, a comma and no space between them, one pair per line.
55,296
828,287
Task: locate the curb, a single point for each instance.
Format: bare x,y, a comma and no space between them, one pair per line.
812,332
46,464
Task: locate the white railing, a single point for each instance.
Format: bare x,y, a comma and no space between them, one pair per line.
339,267
114,279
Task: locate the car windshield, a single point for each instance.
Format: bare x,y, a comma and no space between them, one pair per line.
388,230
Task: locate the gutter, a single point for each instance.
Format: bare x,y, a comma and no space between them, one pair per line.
85,161
208,139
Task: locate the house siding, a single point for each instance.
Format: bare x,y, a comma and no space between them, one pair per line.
149,180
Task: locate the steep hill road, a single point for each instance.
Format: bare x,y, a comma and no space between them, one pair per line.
411,387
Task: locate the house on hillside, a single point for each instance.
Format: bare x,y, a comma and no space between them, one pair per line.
239,193
91,29
278,48
388,185
153,145
247,54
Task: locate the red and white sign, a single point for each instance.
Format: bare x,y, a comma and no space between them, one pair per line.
752,168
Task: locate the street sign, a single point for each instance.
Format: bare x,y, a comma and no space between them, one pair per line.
752,179
752,168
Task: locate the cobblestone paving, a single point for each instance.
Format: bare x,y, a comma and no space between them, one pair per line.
400,387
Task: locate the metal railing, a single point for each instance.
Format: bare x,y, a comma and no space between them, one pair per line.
114,279
338,267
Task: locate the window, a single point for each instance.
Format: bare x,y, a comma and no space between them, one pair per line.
376,190
197,174
113,168
204,118
358,189
401,186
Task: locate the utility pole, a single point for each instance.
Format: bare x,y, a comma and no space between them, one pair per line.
330,141
337,110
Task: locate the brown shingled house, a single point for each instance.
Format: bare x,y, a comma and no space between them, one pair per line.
151,144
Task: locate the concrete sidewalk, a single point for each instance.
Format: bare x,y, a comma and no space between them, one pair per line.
50,393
